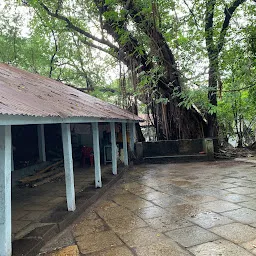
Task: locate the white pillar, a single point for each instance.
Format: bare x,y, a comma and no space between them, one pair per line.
12,168
114,151
125,144
41,142
68,164
132,135
5,191
96,152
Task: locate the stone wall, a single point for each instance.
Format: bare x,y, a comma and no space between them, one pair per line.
175,147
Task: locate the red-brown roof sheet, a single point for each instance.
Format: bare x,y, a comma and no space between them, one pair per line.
24,93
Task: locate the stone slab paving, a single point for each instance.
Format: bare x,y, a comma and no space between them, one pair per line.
30,205
235,232
68,251
201,209
191,236
243,215
219,248
39,213
209,220
220,206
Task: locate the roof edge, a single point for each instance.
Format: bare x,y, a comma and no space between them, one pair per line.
25,119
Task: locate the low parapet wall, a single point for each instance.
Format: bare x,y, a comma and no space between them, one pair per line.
175,147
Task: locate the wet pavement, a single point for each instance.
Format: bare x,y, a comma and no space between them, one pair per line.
202,209
40,213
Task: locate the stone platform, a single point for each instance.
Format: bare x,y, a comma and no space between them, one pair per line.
177,209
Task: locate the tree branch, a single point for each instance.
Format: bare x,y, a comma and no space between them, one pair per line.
241,89
160,45
91,44
54,54
78,29
209,12
192,13
228,15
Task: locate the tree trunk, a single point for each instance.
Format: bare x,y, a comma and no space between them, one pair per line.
140,136
139,133
240,133
213,54
212,125
240,141
173,120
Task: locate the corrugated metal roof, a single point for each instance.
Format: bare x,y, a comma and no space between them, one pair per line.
24,93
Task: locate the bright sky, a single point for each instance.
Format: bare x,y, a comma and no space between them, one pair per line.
22,10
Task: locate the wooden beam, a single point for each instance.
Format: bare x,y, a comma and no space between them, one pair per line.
5,191
113,151
68,164
41,142
125,149
96,152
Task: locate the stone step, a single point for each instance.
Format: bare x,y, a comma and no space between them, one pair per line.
175,158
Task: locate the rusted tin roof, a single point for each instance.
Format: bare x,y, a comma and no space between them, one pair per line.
27,94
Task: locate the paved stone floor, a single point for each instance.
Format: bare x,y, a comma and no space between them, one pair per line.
31,205
202,209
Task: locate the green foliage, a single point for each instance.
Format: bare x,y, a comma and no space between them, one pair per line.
53,48
239,85
49,46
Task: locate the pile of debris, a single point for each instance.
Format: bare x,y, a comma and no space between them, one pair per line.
48,174
227,151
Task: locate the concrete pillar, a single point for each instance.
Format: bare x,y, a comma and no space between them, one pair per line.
139,150
12,168
125,144
68,164
114,151
96,152
132,135
41,142
5,191
209,148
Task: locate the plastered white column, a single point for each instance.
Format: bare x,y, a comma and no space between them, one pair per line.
12,168
132,135
96,152
125,144
5,190
41,142
68,164
113,151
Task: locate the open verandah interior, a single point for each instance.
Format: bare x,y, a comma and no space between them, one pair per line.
56,193
40,213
